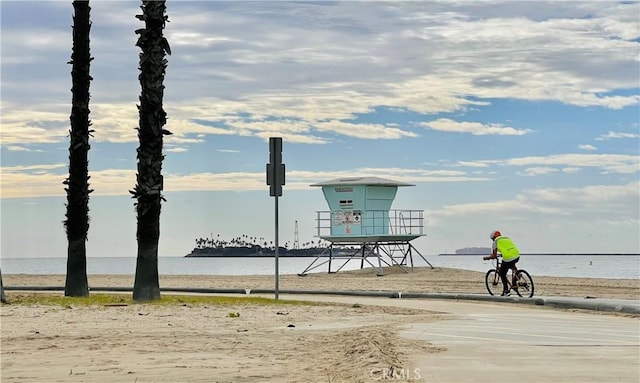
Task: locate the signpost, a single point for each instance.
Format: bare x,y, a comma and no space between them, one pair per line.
275,180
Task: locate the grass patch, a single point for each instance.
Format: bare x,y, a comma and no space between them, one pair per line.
49,299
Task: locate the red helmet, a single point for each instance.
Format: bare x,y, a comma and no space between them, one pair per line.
494,234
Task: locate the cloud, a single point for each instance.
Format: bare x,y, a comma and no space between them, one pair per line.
46,180
17,148
608,163
587,147
176,149
322,65
486,209
475,128
22,126
568,163
31,168
619,201
612,135
538,171
473,164
363,131
571,169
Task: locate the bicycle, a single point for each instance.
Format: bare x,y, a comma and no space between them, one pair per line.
520,282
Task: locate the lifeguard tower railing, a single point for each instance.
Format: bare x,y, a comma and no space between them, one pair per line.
382,235
372,222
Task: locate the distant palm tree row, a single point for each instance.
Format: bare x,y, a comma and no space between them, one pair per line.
251,242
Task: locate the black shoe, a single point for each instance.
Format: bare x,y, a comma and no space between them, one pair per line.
506,294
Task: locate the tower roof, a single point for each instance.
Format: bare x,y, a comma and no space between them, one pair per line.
374,181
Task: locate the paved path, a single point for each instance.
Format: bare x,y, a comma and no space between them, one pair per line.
503,342
495,339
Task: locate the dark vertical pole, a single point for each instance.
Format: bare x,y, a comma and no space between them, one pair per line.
275,179
277,290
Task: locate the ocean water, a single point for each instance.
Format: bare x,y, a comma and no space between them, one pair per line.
583,266
166,265
580,266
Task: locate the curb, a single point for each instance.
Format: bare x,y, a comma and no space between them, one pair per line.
595,306
377,294
475,297
556,302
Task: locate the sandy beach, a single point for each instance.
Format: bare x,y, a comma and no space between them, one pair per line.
422,279
265,343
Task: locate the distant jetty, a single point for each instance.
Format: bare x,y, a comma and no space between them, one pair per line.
257,251
246,246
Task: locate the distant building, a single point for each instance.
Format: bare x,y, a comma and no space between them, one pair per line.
474,250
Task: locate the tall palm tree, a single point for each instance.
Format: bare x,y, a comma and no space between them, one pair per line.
77,222
149,185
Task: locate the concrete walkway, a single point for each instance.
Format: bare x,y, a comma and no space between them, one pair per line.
596,304
500,342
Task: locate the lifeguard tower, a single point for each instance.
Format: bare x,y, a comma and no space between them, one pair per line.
361,225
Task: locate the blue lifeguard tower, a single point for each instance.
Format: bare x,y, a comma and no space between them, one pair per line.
361,225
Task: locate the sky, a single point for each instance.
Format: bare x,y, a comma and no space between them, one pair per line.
516,116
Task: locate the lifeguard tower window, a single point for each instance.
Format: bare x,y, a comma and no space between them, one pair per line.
346,204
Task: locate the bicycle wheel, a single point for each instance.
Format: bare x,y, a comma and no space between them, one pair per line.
525,284
493,282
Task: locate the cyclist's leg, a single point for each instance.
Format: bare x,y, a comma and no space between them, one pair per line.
504,269
514,271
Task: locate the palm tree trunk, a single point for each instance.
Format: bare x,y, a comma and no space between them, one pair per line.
149,185
3,298
77,222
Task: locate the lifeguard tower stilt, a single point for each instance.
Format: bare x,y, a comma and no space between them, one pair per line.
361,226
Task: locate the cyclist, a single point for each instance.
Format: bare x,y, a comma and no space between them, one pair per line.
510,256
